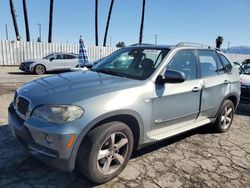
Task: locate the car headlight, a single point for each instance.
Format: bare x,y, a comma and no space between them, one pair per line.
58,113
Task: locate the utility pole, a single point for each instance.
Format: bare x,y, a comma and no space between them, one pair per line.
40,31
110,41
6,31
156,37
228,46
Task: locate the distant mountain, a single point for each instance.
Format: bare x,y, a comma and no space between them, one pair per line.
238,50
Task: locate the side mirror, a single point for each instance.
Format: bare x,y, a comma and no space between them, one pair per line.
52,58
171,76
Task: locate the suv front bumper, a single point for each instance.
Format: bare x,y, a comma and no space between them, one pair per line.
56,155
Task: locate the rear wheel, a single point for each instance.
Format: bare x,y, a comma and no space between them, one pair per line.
39,69
225,117
105,152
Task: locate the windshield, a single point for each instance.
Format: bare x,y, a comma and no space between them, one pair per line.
134,63
245,69
49,56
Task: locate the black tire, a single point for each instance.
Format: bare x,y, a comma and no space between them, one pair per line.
99,139
225,117
39,69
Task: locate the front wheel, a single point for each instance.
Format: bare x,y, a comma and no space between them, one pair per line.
39,69
105,152
225,117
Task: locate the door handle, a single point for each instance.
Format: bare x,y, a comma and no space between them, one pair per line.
196,89
226,82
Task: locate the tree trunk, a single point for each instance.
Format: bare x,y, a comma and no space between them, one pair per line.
12,9
108,20
142,21
50,20
96,22
26,21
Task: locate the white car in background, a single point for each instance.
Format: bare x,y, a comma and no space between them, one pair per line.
51,62
245,81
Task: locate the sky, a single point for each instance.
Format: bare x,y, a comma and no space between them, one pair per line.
173,21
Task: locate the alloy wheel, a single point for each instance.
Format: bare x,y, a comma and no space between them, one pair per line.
40,69
227,116
112,153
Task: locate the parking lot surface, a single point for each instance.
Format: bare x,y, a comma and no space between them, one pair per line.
198,158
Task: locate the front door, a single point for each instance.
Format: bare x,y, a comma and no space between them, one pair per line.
177,105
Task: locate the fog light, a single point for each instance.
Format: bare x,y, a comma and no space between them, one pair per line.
49,139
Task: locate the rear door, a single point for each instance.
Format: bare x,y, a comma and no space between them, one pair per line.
70,61
216,83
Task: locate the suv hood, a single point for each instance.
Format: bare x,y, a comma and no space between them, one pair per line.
74,86
30,60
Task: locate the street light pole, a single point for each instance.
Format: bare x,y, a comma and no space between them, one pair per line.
228,46
110,41
40,31
6,30
156,36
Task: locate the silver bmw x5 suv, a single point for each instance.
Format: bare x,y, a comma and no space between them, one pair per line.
138,95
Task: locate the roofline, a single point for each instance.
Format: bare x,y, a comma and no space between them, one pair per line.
181,44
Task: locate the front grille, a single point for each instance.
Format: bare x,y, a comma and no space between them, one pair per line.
22,65
22,105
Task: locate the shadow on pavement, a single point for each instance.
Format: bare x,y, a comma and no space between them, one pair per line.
164,143
18,168
31,73
21,73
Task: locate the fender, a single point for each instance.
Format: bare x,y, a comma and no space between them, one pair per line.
97,120
233,94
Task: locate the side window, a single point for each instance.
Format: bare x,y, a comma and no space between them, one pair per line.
59,56
184,61
67,56
225,61
208,62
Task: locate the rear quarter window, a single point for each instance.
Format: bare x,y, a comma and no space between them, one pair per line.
209,63
225,62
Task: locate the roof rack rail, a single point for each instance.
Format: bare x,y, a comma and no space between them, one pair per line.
139,44
194,45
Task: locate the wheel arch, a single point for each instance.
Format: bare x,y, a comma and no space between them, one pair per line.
232,97
129,117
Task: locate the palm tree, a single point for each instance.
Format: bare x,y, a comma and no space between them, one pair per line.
12,9
26,21
50,20
142,21
96,22
108,20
